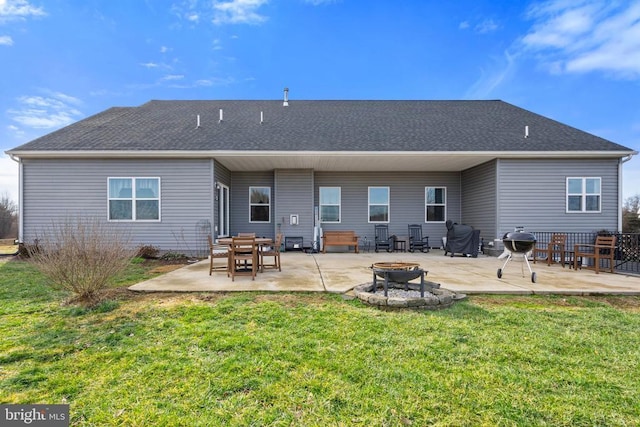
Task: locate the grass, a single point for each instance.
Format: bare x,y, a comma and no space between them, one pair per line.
244,359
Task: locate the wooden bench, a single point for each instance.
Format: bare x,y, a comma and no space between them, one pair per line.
339,238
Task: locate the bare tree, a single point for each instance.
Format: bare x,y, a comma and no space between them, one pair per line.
8,216
631,215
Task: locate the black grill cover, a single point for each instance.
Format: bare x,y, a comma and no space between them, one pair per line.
461,239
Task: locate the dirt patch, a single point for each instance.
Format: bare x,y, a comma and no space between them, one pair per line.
622,302
628,303
161,269
293,300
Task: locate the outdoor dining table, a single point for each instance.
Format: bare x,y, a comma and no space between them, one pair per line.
260,242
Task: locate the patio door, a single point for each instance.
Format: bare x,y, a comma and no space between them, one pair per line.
223,210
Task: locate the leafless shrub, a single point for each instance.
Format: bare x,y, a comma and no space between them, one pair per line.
25,249
148,252
82,256
8,217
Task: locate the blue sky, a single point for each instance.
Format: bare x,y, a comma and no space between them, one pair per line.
575,61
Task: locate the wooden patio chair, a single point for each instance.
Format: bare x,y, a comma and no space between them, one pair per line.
416,240
217,252
556,246
246,234
274,252
244,257
603,249
382,239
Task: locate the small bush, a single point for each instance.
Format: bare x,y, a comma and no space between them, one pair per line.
148,252
174,256
81,256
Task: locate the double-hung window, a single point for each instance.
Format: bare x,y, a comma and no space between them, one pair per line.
259,204
330,202
435,204
378,204
583,194
134,199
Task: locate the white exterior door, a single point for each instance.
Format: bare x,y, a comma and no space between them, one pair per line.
223,210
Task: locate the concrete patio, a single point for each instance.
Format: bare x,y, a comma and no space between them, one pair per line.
341,272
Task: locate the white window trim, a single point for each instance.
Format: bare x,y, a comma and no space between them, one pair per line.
259,204
134,199
583,195
388,205
426,205
339,205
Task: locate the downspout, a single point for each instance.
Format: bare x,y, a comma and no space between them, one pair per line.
20,221
620,197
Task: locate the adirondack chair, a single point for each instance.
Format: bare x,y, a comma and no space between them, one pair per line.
416,240
382,239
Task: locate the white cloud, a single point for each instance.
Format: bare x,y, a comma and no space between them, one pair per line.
171,77
463,25
165,49
586,36
64,97
486,26
213,81
221,12
500,70
18,9
149,65
54,110
6,41
238,12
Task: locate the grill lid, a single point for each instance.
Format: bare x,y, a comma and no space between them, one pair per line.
518,241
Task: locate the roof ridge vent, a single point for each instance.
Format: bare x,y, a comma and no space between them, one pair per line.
286,97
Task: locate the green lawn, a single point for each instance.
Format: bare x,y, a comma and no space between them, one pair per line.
243,359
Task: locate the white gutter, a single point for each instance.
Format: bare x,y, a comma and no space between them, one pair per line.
620,196
20,221
291,153
626,159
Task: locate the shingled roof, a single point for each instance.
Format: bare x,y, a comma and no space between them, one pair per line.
320,126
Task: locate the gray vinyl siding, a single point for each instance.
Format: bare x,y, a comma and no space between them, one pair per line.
479,199
532,193
239,221
294,195
222,174
407,200
55,190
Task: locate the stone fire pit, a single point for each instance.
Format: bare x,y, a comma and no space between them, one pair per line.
399,293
